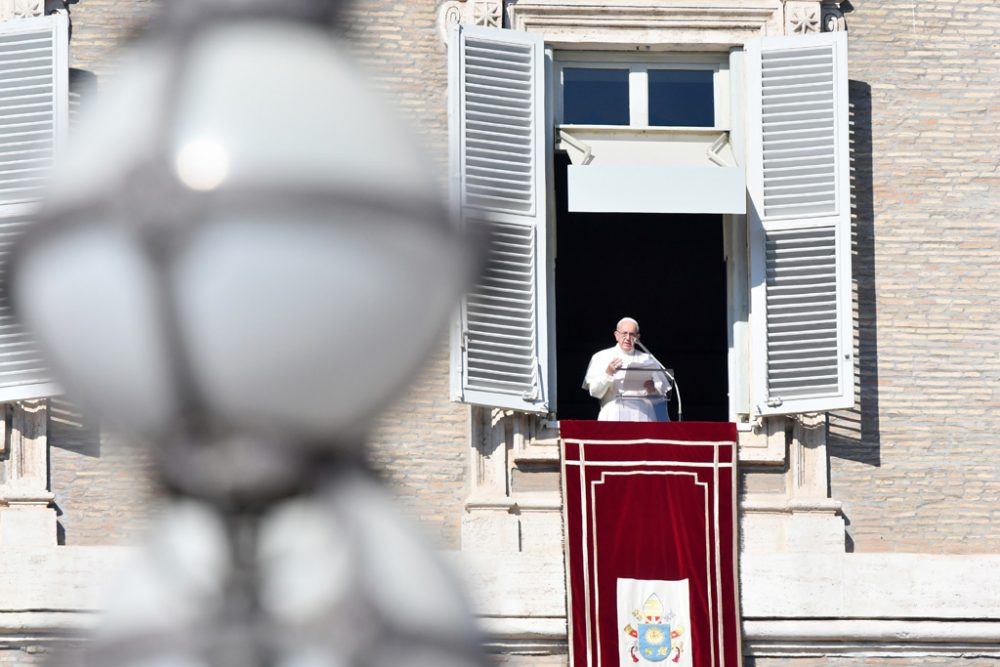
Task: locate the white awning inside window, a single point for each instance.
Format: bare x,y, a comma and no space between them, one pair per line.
652,170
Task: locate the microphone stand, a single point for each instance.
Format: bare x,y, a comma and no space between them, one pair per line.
673,381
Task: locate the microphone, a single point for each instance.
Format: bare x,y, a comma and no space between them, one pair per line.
673,381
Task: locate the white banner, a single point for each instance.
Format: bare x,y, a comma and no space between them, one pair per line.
654,621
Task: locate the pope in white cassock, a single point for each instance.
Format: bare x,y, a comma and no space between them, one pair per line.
618,378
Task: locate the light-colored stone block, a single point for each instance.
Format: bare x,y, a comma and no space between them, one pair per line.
492,530
27,526
541,529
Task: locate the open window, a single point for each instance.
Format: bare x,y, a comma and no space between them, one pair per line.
772,187
34,79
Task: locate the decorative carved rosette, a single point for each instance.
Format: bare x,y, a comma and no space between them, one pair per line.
20,9
488,13
802,17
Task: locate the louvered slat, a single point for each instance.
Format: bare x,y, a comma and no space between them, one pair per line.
797,178
500,314
802,311
27,113
497,151
20,361
499,132
798,132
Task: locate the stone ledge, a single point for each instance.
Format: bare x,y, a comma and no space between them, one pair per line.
776,586
870,586
888,605
793,604
33,628
56,578
531,636
871,638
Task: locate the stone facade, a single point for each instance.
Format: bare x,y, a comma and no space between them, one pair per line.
22,657
99,27
916,465
421,443
909,469
100,482
911,463
910,472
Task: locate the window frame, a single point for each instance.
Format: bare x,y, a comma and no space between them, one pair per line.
729,103
735,115
638,66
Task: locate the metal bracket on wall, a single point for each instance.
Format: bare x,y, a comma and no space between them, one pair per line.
583,147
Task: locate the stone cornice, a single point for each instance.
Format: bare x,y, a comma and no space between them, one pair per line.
648,24
679,23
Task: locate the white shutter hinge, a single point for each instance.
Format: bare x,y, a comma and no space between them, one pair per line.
533,394
775,402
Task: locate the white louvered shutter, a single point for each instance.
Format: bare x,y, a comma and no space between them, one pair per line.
799,216
34,76
498,168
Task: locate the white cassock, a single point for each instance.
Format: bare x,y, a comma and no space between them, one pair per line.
619,400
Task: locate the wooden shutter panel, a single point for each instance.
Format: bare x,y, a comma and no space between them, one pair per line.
797,180
498,162
34,77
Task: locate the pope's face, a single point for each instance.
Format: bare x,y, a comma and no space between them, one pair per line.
626,335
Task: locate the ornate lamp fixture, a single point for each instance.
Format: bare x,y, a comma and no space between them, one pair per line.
244,258
243,241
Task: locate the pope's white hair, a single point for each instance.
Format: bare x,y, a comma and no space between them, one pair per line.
627,320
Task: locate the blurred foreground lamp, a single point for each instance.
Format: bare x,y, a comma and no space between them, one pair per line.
242,246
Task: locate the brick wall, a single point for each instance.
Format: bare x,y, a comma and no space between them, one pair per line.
399,44
421,443
101,483
918,466
99,27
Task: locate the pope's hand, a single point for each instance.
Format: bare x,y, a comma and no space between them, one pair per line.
613,367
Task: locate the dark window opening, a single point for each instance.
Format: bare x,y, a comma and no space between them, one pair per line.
680,97
668,272
595,96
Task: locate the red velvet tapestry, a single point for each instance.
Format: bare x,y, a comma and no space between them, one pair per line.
651,543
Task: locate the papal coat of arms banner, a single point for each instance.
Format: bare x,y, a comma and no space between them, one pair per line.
651,544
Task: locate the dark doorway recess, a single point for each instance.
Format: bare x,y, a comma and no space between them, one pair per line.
668,272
